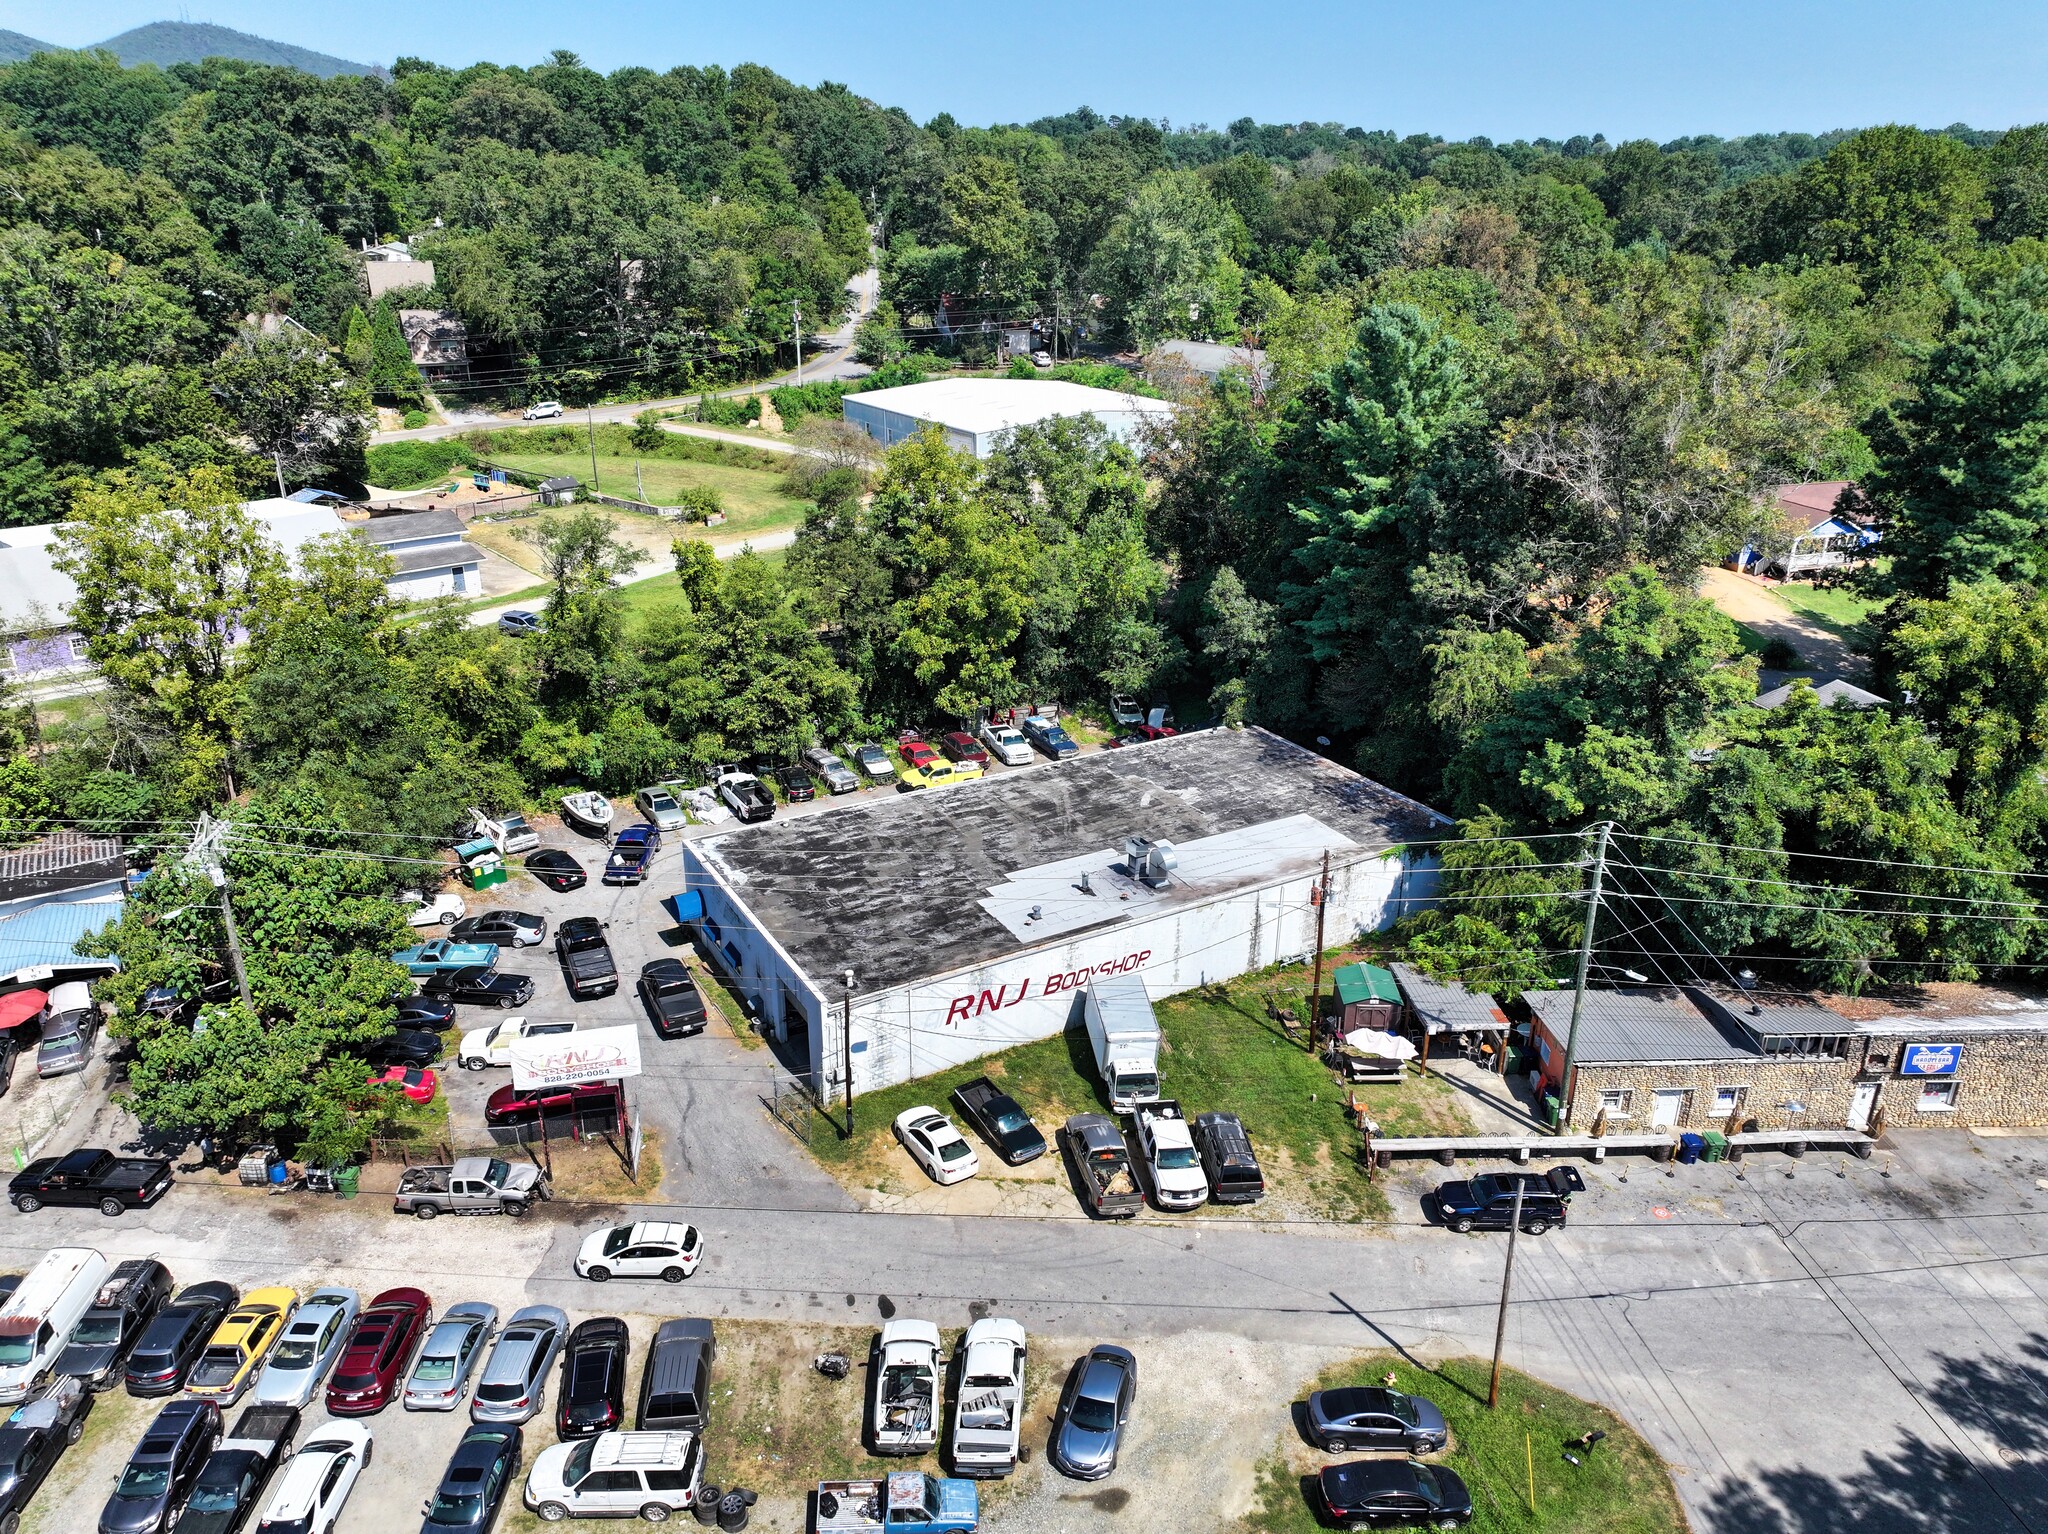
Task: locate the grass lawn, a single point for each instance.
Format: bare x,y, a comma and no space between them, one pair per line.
1222,1050
1832,607
1619,1487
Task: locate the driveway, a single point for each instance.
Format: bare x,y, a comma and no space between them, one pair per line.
1753,604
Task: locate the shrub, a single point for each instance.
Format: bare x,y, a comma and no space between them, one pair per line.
796,401
729,412
892,375
1780,656
415,419
409,465
700,503
647,433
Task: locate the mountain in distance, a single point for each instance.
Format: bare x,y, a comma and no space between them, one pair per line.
14,47
164,43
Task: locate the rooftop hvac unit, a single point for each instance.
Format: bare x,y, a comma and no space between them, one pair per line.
1149,862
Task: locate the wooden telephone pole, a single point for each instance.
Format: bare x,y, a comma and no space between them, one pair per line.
1507,1279
1321,896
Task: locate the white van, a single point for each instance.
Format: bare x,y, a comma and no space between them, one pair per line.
42,1313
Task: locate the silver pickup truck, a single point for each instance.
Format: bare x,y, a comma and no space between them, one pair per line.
474,1185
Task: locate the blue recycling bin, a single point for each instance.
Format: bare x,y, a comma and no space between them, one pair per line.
1689,1148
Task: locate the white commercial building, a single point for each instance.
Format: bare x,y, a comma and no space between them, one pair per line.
976,413
972,918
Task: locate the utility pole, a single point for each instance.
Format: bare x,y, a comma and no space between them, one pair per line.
796,331
207,837
1507,1279
846,1042
1321,896
1571,1043
590,427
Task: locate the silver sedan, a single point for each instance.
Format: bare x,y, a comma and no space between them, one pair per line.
449,1356
320,1329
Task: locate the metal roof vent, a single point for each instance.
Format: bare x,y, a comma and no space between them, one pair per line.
1149,862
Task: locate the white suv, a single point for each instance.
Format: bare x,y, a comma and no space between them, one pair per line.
616,1475
1006,743
546,410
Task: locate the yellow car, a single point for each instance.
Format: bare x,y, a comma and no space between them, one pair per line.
238,1345
937,774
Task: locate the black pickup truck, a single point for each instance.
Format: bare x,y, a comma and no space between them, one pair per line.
586,958
114,1183
1001,1122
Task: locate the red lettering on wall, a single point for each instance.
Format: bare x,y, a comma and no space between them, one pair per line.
974,1003
958,1009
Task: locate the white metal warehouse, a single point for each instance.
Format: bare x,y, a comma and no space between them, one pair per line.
972,918
975,413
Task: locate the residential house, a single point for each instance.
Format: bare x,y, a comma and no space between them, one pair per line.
433,559
1832,693
439,342
1813,536
391,267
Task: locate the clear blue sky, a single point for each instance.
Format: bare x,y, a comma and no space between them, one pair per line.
1645,68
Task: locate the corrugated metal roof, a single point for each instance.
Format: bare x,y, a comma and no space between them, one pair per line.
1445,1006
1365,982
67,860
982,405
47,937
1771,1014
434,556
1637,1026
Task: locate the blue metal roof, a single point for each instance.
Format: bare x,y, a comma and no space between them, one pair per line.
47,937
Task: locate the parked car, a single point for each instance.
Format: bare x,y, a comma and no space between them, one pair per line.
483,1047
936,1145
480,986
902,1502
796,784
514,1383
1487,1202
745,795
1124,710
645,1249
1393,1493
449,1356
593,1398
519,621
506,928
511,1106
874,761
661,809
443,908
172,1344
1374,1418
545,410
1041,358
671,997
231,1482
633,850
1049,737
417,1082
938,773
556,869
402,1046
160,1471
472,1185
837,777
585,955
473,1486
1227,1159
33,1437
432,1013
1006,743
915,752
300,1362
1000,1121
675,1387
71,1025
386,1336
617,1475
90,1178
903,1387
959,746
241,1344
1101,1164
1168,1144
440,955
128,1302
1094,1409
988,1411
315,1488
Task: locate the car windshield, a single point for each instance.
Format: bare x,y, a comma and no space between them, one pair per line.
97,1331
1176,1160
1093,1416
17,1350
615,1243
457,1507
954,1150
219,1495
144,1481
1012,1123
293,1355
1402,1407
577,1466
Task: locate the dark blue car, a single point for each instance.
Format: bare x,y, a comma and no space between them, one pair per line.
473,1486
152,1490
631,853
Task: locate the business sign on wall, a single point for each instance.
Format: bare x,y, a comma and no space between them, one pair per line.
566,1059
1930,1059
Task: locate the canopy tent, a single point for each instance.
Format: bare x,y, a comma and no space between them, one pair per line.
17,1007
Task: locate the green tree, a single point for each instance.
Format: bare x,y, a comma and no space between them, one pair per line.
1894,202
292,403
394,380
582,555
1164,265
1236,635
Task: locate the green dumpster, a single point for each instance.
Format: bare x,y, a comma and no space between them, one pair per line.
1717,1146
347,1180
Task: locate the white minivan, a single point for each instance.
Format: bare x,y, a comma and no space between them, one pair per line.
42,1313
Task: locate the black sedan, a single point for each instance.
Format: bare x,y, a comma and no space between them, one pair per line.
1001,1121
33,1437
508,929
594,1378
1094,1409
473,1485
670,996
433,1013
1375,1419
1393,1494
796,784
402,1046
480,986
556,869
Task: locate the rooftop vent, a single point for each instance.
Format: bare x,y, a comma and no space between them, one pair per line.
1149,862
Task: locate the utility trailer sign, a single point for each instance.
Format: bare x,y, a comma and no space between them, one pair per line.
567,1059
1930,1059
975,1003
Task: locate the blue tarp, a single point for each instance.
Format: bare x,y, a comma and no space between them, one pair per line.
47,937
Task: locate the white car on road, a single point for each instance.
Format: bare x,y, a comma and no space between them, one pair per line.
936,1145
1006,743
483,1047
645,1249
322,1474
546,410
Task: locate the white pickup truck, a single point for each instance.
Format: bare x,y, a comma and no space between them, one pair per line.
1169,1147
482,1048
989,1415
904,1395
1006,743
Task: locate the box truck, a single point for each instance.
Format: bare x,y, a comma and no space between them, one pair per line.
1126,1039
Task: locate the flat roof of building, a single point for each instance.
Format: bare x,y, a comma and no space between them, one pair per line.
1639,1026
404,526
434,556
906,886
983,405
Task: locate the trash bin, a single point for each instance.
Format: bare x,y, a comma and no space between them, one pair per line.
1552,1104
1689,1148
347,1180
1717,1146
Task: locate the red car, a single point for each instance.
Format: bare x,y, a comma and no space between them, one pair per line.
962,747
416,1082
387,1334
917,754
508,1105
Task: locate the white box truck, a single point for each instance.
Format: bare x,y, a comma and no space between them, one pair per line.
1126,1039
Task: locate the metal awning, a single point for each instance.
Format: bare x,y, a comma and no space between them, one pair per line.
1445,1006
17,1007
